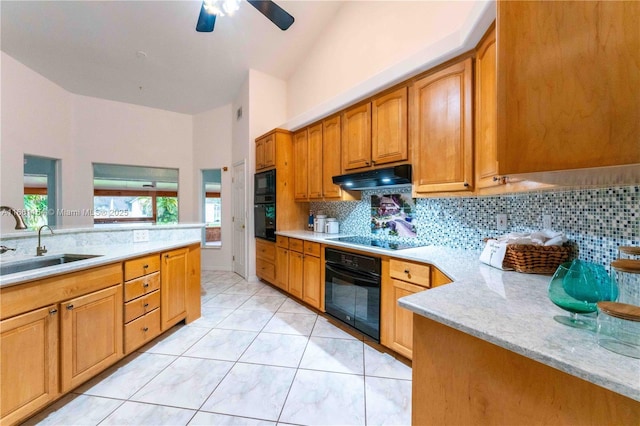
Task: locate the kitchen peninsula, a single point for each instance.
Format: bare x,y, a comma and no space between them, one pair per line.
487,349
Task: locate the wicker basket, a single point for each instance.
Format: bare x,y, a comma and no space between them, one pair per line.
532,259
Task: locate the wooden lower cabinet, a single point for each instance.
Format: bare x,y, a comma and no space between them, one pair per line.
266,260
90,335
173,289
311,290
29,363
282,268
296,273
141,330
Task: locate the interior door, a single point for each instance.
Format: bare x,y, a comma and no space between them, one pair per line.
239,220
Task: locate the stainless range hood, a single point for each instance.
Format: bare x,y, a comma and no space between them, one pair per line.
390,176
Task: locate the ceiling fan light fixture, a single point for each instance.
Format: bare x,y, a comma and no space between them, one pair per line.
221,7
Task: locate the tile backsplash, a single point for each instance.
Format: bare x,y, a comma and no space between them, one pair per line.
596,220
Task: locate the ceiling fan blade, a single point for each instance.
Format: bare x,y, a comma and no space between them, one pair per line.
206,21
273,12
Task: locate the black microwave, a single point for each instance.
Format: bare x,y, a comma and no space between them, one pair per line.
265,187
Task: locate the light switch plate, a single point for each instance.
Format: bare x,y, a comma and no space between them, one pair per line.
140,235
546,221
501,222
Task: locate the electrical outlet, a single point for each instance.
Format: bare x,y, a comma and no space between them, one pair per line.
546,221
501,222
140,235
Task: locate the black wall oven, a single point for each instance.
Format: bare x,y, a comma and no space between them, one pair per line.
352,290
264,209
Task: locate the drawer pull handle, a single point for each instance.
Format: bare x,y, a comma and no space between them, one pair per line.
69,307
145,266
53,311
145,329
146,305
166,256
406,271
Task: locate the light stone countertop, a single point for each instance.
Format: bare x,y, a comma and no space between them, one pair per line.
107,254
509,309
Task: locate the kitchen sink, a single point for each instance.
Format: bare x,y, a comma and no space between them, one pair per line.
42,262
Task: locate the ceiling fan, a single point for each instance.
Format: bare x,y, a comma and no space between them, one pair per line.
212,8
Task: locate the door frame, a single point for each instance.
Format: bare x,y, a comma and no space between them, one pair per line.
239,194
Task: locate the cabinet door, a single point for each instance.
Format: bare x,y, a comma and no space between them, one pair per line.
486,143
91,335
331,156
389,127
29,363
282,268
356,137
315,161
568,85
296,278
442,130
173,290
193,284
270,151
400,337
260,154
301,166
311,281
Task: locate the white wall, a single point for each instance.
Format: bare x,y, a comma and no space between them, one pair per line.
375,44
36,120
212,141
40,118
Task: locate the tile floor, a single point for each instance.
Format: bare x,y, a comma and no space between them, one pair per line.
255,357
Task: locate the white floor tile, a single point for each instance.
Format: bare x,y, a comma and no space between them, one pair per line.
135,413
186,383
294,307
283,350
262,302
245,287
291,323
324,328
228,301
388,401
322,398
210,316
337,355
225,345
128,376
76,410
207,419
381,364
245,320
256,391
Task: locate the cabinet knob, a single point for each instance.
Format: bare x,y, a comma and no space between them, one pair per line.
406,271
166,256
53,311
145,285
466,184
146,305
145,329
69,307
145,266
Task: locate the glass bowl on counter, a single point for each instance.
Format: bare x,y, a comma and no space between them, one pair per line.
619,328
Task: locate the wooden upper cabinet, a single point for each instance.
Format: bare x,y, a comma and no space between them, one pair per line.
441,130
315,161
568,85
356,137
301,165
486,143
331,157
389,127
266,152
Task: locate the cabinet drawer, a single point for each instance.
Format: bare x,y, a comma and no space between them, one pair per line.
282,241
296,245
312,249
139,286
266,270
140,306
265,250
411,272
138,267
141,330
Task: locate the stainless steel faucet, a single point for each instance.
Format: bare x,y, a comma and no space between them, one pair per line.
42,250
19,221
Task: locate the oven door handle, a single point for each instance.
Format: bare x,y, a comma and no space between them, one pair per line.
372,279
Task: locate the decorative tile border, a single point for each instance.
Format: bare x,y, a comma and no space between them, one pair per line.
596,220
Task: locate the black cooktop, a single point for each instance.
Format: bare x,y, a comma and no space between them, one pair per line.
372,242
